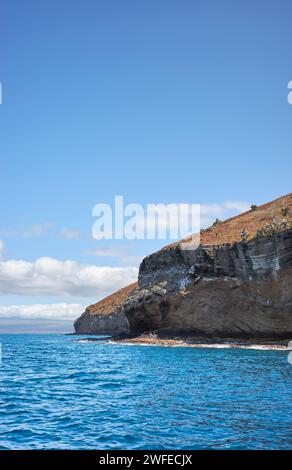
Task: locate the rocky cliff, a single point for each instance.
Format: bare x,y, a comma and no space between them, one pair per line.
107,316
237,283
242,290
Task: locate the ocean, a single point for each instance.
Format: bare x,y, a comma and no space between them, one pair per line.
58,393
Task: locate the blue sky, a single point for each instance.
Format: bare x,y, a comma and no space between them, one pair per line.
159,101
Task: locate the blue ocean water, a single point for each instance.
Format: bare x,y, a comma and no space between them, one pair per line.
57,393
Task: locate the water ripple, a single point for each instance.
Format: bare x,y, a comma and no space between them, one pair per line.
56,393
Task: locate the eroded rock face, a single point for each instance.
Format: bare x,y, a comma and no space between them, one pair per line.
256,259
101,324
238,290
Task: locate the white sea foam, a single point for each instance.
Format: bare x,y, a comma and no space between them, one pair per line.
182,344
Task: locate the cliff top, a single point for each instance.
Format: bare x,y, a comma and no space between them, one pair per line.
277,212
109,304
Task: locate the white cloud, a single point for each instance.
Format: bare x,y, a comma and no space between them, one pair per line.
119,252
35,230
209,212
163,221
104,251
60,311
151,221
68,233
52,277
219,209
42,229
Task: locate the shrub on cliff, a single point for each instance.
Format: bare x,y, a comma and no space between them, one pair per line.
278,225
216,222
284,211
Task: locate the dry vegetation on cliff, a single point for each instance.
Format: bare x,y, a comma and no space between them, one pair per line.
272,216
111,303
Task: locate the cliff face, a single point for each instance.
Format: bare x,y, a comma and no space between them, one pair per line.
240,290
226,287
99,324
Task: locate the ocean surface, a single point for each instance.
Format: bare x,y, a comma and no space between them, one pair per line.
57,393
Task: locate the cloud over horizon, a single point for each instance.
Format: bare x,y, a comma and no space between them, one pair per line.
59,311
51,277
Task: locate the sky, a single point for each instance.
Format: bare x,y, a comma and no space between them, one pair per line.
160,101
